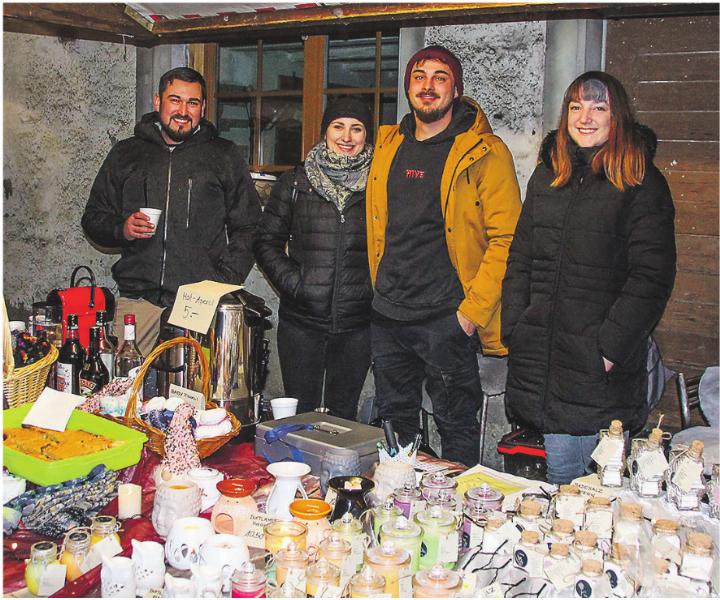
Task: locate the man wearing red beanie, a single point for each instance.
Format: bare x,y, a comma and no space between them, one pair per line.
442,205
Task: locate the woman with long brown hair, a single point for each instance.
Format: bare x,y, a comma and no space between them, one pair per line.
590,270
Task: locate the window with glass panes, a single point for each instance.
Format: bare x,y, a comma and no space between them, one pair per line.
262,91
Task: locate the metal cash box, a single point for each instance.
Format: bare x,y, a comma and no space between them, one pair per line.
329,432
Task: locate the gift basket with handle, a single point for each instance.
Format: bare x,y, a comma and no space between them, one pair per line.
156,437
25,383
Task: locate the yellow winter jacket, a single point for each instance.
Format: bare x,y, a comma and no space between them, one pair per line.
480,206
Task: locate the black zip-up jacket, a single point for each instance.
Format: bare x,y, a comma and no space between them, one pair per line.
209,203
590,271
324,279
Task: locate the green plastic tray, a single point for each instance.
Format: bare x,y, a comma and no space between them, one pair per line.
50,472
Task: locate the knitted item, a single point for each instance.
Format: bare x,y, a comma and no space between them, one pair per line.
181,452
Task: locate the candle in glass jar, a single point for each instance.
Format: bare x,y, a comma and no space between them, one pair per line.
282,533
129,500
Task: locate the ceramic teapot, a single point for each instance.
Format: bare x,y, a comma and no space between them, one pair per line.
187,535
288,480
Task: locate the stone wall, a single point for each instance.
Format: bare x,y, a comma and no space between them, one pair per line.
65,104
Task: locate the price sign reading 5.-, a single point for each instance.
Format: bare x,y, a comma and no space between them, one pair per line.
195,304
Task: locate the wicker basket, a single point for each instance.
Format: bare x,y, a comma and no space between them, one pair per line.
26,383
156,438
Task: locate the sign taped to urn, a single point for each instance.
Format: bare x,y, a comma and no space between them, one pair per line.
327,433
195,304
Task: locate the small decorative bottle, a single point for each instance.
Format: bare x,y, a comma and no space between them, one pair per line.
589,583
647,465
685,484
610,455
599,517
665,540
560,568
528,515
697,559
75,549
628,527
570,504
713,492
585,546
384,513
42,554
617,568
562,532
474,516
529,553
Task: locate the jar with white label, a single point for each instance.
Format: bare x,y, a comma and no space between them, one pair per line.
322,580
366,584
394,565
409,500
570,504
493,537
529,553
528,515
665,540
618,570
613,440
351,530
407,535
629,524
432,483
436,582
697,560
474,517
599,517
589,583
560,567
561,532
387,511
291,563
585,546
440,537
337,551
647,465
685,483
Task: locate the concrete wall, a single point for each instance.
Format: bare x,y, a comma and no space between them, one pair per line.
65,104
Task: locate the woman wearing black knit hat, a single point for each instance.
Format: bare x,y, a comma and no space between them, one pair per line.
317,211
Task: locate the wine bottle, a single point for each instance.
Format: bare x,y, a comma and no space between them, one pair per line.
70,361
107,348
94,374
129,356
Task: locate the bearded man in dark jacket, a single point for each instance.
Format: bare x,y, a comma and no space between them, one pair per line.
175,162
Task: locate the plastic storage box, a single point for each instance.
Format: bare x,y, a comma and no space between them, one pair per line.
524,455
314,443
44,472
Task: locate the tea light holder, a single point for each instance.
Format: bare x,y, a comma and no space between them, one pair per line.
280,534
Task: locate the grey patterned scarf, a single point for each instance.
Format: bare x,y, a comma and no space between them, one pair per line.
336,177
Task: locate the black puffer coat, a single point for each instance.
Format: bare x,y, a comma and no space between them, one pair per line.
590,271
324,278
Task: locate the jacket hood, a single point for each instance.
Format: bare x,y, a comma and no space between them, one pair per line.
647,136
148,129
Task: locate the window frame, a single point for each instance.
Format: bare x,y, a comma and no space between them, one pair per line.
205,58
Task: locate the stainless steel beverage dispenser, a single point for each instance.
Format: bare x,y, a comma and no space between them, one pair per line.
238,353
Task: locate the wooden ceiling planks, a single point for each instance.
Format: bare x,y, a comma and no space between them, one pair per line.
115,21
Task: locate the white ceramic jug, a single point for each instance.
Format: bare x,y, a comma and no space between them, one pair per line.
182,547
117,577
287,481
149,566
208,580
227,551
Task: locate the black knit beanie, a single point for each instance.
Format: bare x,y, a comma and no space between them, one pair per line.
350,107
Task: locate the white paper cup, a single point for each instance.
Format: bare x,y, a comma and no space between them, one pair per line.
284,407
154,216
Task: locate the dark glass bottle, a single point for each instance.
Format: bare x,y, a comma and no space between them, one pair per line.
70,361
107,348
94,374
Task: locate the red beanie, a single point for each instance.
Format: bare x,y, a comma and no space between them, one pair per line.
436,53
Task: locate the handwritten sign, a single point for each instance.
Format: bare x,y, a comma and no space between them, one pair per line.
191,397
195,304
254,530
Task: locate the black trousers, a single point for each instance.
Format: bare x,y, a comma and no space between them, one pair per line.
309,357
439,352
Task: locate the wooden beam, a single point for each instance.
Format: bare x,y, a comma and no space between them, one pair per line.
203,58
312,91
344,14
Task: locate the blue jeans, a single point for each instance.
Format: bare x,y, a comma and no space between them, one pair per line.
568,456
